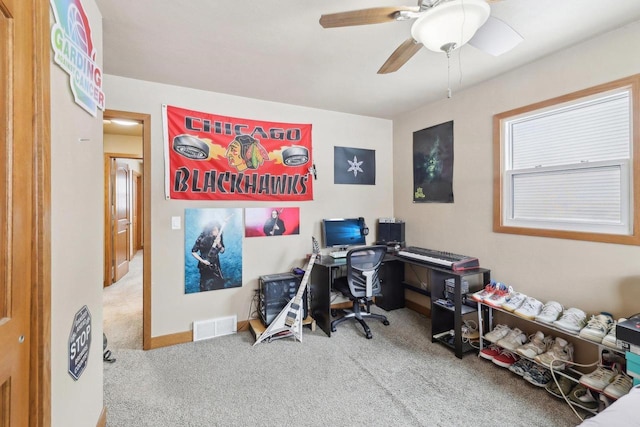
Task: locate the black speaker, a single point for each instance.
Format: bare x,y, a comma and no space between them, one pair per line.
276,290
390,232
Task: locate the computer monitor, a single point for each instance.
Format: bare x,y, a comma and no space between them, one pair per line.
343,232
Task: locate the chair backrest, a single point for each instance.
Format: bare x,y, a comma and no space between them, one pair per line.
363,264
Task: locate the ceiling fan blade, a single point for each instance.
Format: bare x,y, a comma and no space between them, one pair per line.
495,37
375,15
400,56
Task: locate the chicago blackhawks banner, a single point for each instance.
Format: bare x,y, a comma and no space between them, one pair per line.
211,157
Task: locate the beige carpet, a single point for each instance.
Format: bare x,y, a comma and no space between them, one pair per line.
122,309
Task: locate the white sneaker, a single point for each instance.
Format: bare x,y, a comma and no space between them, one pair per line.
513,340
559,353
599,379
550,312
538,345
620,386
500,295
597,328
529,309
499,332
514,301
572,320
610,339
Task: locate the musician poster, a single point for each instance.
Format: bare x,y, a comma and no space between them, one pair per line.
433,164
276,221
212,157
213,249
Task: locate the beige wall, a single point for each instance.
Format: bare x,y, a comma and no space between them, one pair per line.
123,144
172,310
76,243
592,276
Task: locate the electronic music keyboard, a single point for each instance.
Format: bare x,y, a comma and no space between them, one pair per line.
448,260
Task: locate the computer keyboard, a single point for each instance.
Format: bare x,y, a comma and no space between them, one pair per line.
338,254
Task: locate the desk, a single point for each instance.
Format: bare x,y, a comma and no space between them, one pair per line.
327,269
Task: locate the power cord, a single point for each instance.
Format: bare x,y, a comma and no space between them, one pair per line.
256,295
553,375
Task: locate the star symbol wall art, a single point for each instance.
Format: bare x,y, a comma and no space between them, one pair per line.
354,166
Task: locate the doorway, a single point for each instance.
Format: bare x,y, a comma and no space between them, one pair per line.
127,255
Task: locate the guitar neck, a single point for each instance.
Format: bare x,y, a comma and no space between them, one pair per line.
305,278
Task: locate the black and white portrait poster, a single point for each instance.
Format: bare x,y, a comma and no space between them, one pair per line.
354,166
213,249
433,164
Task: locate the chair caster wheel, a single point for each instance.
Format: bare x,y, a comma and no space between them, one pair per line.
333,329
334,313
369,336
385,322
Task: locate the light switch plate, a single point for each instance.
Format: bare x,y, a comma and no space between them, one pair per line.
175,223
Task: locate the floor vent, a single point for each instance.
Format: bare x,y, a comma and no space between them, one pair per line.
205,329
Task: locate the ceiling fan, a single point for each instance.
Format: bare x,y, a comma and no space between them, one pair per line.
440,26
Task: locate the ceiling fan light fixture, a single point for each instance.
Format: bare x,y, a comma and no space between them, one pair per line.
453,22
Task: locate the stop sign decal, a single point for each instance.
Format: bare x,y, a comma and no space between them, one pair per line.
79,342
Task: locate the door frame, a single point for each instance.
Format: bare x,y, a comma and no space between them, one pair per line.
145,119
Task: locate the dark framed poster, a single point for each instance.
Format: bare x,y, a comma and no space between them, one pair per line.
354,166
433,164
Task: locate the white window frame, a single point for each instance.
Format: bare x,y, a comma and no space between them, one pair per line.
615,222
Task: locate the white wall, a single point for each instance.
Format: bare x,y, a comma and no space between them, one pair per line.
76,243
592,276
172,310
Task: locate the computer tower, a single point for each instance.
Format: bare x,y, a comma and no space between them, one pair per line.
276,290
391,232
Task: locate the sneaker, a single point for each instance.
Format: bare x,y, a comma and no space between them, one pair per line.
550,312
620,386
490,352
512,340
500,295
572,320
514,301
539,344
583,398
562,387
599,379
505,359
604,402
610,339
529,309
488,290
499,332
470,330
538,376
559,353
521,367
597,327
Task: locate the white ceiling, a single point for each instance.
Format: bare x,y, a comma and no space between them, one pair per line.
276,50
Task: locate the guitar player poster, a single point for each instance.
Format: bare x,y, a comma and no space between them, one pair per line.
433,164
213,249
270,222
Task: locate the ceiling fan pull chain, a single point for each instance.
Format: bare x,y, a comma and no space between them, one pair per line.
448,73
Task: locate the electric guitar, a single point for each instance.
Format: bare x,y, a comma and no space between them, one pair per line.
289,321
214,249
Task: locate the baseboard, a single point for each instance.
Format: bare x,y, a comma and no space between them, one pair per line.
418,308
102,421
183,337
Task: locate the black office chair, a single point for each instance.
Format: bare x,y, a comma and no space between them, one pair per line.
361,284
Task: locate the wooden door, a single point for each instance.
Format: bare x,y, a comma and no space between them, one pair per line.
122,219
16,208
137,212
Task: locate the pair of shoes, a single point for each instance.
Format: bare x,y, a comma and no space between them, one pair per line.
505,358
583,398
610,339
529,309
521,367
550,312
599,379
597,327
470,330
499,296
497,333
490,352
514,339
513,301
486,292
618,387
538,376
562,387
572,320
560,352
538,344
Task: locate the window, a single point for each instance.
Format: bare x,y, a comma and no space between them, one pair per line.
565,167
